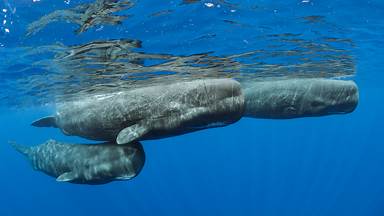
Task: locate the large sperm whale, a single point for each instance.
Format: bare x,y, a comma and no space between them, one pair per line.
85,164
151,112
167,110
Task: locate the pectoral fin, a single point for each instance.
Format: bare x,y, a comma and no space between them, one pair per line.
66,177
132,133
49,121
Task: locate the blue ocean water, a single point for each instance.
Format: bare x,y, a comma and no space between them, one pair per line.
330,165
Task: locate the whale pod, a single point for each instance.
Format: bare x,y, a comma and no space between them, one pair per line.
171,109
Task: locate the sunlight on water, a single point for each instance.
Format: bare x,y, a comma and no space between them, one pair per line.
47,73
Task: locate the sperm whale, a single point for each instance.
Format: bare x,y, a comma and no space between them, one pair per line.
85,163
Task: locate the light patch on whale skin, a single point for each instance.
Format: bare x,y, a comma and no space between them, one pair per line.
106,96
103,167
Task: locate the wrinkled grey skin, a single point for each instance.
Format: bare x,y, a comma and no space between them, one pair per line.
151,112
294,98
85,164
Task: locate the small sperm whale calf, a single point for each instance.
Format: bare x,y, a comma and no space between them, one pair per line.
84,163
150,112
293,98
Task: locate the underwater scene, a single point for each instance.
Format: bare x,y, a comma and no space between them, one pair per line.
191,107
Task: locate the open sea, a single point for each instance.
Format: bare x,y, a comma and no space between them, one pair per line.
314,166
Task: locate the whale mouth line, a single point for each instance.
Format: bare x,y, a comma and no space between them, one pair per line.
346,109
338,112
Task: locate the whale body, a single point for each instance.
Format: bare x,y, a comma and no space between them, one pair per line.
84,163
304,97
151,112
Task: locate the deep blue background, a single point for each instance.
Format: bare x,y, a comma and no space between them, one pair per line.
314,166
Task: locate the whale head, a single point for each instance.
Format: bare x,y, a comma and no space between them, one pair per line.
103,163
122,162
327,97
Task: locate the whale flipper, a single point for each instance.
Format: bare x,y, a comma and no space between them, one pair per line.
66,177
49,121
140,129
132,133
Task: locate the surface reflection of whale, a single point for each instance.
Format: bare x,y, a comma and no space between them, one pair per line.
168,110
86,164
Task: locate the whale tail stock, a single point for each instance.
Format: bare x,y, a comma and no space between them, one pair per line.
20,148
49,121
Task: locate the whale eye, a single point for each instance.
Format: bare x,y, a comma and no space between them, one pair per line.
316,103
290,110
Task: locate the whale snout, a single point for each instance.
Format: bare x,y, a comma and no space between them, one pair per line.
343,98
351,98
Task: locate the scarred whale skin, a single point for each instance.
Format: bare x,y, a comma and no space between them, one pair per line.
151,112
84,163
304,97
